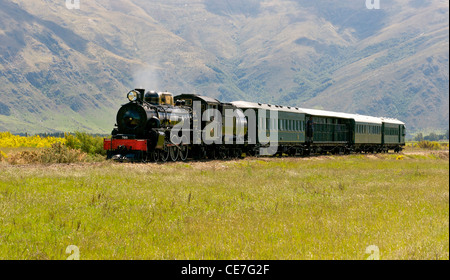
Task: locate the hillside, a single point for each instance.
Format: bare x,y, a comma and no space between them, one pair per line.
66,70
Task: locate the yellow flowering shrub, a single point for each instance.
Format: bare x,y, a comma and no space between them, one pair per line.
8,140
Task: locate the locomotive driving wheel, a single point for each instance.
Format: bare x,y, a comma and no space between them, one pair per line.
184,149
164,153
154,156
174,152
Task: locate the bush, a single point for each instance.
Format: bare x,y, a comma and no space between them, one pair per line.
428,145
57,153
3,156
87,143
80,147
25,157
8,140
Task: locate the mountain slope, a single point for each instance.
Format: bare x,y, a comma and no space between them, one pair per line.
65,70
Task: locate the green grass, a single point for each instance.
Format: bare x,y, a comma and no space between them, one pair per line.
286,208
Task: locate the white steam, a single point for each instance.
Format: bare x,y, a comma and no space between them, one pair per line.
147,78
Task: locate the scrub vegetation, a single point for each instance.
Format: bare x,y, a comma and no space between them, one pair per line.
76,147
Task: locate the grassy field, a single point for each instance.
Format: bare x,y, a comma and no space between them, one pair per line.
326,207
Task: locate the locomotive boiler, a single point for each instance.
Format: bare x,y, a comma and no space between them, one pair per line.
143,126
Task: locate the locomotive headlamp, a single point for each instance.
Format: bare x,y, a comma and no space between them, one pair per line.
132,95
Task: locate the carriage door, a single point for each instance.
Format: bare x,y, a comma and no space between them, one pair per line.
351,131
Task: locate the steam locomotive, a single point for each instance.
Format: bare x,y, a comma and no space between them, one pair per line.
156,126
